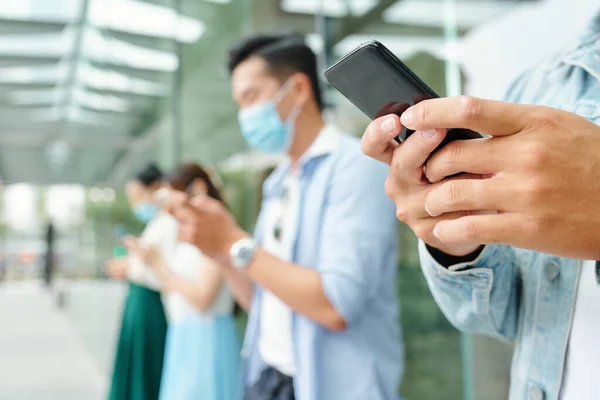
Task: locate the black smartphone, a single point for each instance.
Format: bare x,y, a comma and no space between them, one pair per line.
378,83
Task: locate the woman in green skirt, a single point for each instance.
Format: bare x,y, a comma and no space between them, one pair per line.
139,354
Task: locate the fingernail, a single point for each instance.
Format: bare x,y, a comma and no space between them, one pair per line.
428,134
426,210
388,125
406,117
435,231
429,212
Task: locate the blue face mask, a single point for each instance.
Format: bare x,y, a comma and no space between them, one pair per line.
263,128
145,212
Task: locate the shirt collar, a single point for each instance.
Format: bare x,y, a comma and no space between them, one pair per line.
327,141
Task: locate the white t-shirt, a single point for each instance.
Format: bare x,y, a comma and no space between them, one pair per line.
161,232
275,343
275,339
188,262
582,366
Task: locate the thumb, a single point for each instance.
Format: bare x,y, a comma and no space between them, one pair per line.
378,140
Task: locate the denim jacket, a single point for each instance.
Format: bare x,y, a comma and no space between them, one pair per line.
518,295
347,231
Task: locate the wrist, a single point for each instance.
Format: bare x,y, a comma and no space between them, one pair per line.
448,260
456,251
242,253
235,236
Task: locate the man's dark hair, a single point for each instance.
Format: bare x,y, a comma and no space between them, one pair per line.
284,54
150,175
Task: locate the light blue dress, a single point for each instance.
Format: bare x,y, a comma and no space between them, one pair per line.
202,351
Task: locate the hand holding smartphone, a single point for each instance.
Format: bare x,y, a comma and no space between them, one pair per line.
378,83
163,197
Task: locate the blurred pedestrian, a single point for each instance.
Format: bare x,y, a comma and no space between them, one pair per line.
49,256
140,351
202,355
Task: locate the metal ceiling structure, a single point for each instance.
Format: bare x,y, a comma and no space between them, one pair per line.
85,85
77,79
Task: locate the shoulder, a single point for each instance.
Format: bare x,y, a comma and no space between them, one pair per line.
356,177
352,162
562,69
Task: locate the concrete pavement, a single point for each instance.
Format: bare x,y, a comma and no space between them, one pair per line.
43,356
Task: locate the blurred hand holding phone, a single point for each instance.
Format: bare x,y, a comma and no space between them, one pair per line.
163,198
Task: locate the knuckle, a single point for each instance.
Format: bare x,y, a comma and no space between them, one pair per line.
470,108
535,190
420,114
542,118
536,156
390,188
399,171
423,232
472,232
366,141
451,193
454,151
419,231
402,214
365,146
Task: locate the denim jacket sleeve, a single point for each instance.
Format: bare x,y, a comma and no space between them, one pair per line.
478,297
359,235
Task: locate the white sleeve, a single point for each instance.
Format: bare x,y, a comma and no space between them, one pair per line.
161,233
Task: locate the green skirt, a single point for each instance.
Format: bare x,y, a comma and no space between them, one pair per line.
141,347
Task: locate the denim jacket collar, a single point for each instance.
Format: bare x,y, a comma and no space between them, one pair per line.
586,53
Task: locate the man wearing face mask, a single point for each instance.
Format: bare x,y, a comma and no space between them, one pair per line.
319,276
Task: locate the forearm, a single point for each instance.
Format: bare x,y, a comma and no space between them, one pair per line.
240,284
198,296
300,288
201,294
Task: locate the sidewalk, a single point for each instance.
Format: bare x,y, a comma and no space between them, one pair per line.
41,355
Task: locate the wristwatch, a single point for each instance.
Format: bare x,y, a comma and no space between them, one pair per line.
242,253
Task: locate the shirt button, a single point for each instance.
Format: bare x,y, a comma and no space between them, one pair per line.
551,271
535,393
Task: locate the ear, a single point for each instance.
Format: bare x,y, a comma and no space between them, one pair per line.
302,88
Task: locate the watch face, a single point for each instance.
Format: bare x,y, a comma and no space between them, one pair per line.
245,254
242,253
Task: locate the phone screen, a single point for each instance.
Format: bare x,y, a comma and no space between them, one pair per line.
378,84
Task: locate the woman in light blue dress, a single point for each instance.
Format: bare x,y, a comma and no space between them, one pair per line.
202,353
